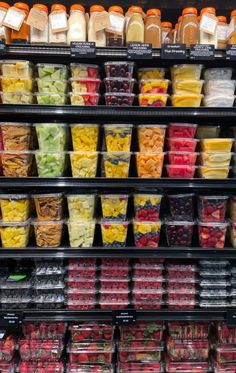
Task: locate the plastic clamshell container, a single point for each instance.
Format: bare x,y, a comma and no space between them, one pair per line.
119,69
81,207
78,263
50,164
16,68
213,172
16,135
118,137
82,70
233,235
140,367
212,208
220,87
44,330
178,144
52,71
74,304
212,235
51,98
216,159
48,233
187,367
83,352
151,138
179,233
213,274
48,206
225,353
147,270
14,207
15,234
87,368
184,87
225,333
133,351
16,163
116,164
147,233
182,158
214,264
218,100
153,85
181,171
115,285
122,85
207,132
81,233
218,73
51,136
147,207
188,330
187,100
181,206
114,206
182,130
214,294
224,367
150,297
84,136
114,305
149,165
52,85
41,350
85,85
179,350
146,283
17,98
83,164
153,99
84,99
113,273
151,73
33,366
186,72
119,99
91,331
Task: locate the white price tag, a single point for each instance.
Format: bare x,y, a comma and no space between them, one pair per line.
222,32
208,24
116,23
230,30
58,22
38,19
14,18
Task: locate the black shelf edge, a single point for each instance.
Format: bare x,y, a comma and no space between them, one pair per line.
126,184
106,112
161,315
126,252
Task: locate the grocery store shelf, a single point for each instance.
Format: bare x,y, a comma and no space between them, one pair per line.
126,252
126,184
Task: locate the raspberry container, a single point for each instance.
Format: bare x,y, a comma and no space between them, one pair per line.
147,234
179,233
147,270
145,283
94,331
41,350
114,272
139,351
149,330
181,206
149,367
223,368
76,264
212,208
212,235
81,296
225,353
182,350
115,285
178,144
122,297
178,304
180,171
82,283
182,130
182,158
85,353
145,305
84,273
121,85
119,69
188,330
32,367
149,296
42,330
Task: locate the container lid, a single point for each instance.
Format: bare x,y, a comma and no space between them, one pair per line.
154,12
214,273
155,68
131,64
77,7
213,224
56,7
96,8
57,65
135,9
208,10
182,139
179,280
183,124
92,80
214,197
176,222
118,94
47,195
189,11
140,346
181,267
181,153
118,125
166,24
212,263
52,222
41,7
4,5
16,224
14,196
22,6
117,9
154,80
80,279
149,279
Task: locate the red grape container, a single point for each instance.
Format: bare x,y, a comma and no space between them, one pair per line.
119,99
212,208
182,130
40,367
225,333
212,235
147,367
44,330
140,351
41,350
186,367
89,368
188,330
91,353
115,285
179,233
181,145
182,350
181,206
225,353
142,330
182,158
8,346
94,331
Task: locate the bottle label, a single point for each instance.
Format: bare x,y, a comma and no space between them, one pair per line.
38,19
208,24
58,22
231,29
14,18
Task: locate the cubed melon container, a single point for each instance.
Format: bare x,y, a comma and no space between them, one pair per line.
82,70
85,85
16,68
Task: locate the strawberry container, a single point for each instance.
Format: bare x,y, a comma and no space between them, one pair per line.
212,208
115,285
150,367
43,330
114,305
149,296
76,264
91,353
114,272
147,270
8,346
149,330
40,367
181,350
139,351
182,158
182,130
147,207
225,333
212,235
225,353
186,367
89,368
91,331
188,330
41,350
181,145
179,233
145,283
74,304
223,367
181,206
180,171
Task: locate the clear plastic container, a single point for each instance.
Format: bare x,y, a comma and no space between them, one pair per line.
191,330
151,138
149,165
187,100
179,233
179,350
121,85
84,99
114,207
186,72
145,283
153,99
48,206
207,132
142,330
15,235
181,206
154,85
212,208
151,73
185,87
48,233
139,352
117,285
214,294
16,136
213,172
114,233
51,98
218,73
182,130
85,85
91,331
233,234
8,346
52,71
119,99
32,366
81,207
147,270
187,367
84,164
216,159
224,367
219,100
51,136
119,69
178,144
84,136
148,297
14,85
14,207
212,235
78,263
93,368
41,350
225,333
214,264
16,68
115,305
225,353
81,70
147,233
113,273
220,87
8,367
44,330
80,305
180,171
147,207
82,352
17,98
213,273
52,85
118,137
81,234
182,158
50,164
116,164
16,163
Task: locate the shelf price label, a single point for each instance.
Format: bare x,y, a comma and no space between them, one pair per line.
139,51
83,49
126,317
173,52
231,52
13,319
202,52
231,317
